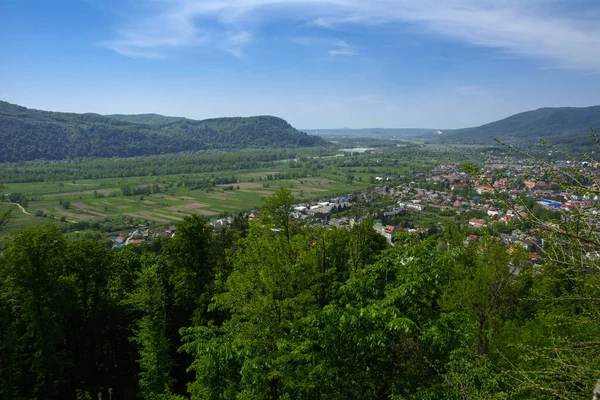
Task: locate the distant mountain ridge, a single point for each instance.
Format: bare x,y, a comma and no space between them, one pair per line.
564,124
27,134
372,132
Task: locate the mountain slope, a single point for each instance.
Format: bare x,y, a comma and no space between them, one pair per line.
32,134
557,123
145,119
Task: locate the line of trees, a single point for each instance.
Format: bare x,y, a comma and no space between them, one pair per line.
306,161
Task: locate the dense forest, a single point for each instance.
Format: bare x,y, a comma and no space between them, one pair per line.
31,134
146,119
273,309
51,171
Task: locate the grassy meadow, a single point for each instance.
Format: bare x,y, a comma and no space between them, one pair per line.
90,200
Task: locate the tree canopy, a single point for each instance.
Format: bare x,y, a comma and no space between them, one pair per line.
269,309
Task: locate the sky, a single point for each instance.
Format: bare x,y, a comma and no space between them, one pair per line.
316,63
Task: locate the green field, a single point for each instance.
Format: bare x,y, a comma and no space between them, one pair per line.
97,200
189,184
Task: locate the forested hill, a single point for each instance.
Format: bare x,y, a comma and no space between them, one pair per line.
146,119
565,124
27,134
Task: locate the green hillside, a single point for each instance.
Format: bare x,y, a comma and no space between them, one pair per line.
32,134
145,119
566,124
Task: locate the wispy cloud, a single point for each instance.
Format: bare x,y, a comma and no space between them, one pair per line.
341,49
235,41
332,46
563,32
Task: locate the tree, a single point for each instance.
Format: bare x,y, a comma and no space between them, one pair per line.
329,256
277,210
191,270
18,198
36,295
149,299
484,288
365,243
5,213
91,344
379,339
269,291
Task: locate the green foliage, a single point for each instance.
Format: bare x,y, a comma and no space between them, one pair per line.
145,119
485,289
4,214
149,298
18,198
34,297
277,211
191,271
365,244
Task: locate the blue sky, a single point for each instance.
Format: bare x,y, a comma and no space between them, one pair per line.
316,63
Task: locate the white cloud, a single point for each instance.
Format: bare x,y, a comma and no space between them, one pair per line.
235,41
341,49
560,31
